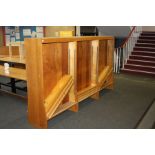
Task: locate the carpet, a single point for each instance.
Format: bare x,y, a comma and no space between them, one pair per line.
120,108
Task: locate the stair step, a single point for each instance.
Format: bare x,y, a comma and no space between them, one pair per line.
147,37
144,45
147,34
138,72
140,67
142,59
141,62
144,49
145,41
145,58
143,53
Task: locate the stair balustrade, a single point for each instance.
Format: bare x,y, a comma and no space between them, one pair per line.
122,53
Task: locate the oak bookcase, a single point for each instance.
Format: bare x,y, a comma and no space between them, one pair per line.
61,72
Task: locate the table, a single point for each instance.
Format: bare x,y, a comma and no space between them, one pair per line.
13,59
15,73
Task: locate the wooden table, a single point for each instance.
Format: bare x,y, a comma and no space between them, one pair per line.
16,73
13,59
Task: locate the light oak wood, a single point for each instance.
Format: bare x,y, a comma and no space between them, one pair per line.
10,51
83,65
94,63
63,107
15,50
102,55
74,108
14,59
3,56
72,59
61,72
57,94
87,92
96,96
74,38
14,73
34,67
4,50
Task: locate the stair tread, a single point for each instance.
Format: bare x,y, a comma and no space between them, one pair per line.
140,39
135,70
146,47
140,65
148,31
144,56
142,60
148,36
144,51
145,44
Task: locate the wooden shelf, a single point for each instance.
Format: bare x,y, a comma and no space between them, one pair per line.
88,61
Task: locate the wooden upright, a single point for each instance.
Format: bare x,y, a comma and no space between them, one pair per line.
61,72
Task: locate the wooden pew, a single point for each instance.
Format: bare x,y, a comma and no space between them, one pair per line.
61,72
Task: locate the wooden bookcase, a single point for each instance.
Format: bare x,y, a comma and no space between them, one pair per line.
61,72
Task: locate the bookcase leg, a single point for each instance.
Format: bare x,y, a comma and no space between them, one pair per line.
96,96
41,124
75,108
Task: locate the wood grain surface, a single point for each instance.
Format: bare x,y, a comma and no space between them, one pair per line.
102,55
16,73
83,65
55,64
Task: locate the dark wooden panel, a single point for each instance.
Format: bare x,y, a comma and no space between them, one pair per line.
83,64
55,64
102,55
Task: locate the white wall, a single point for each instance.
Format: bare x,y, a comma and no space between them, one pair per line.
1,36
52,31
117,31
148,28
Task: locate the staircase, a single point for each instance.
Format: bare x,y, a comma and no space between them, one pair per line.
141,60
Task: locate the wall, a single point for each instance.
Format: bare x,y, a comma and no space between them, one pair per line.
19,33
148,28
51,31
1,36
117,31
77,30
